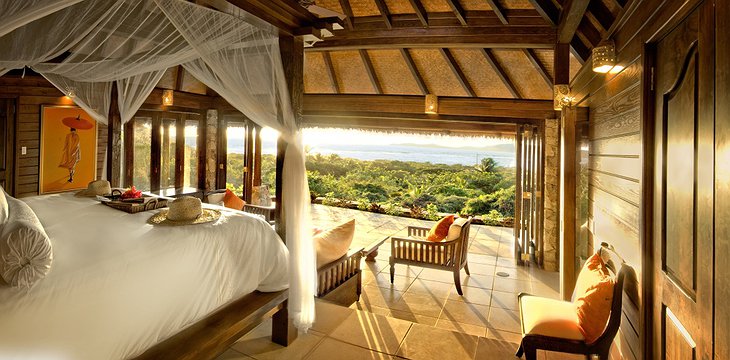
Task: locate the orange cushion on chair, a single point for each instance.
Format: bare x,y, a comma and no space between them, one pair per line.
593,298
232,201
439,231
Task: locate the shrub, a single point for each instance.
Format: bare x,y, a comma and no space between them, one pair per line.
432,212
493,218
417,212
452,204
392,209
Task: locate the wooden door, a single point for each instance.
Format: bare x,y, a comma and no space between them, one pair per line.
683,183
7,121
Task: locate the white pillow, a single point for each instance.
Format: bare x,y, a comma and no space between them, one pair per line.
333,243
216,199
3,207
455,229
26,253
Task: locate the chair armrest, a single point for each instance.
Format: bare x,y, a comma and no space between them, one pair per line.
418,231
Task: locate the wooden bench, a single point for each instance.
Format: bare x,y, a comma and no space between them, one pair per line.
340,281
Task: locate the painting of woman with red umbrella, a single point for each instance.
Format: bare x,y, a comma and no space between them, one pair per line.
68,136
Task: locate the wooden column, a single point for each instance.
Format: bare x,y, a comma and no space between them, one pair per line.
202,150
128,152
155,159
179,152
211,146
114,141
561,63
518,193
257,157
248,163
222,156
567,201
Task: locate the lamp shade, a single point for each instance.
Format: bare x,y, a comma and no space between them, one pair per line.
561,97
604,57
168,97
432,104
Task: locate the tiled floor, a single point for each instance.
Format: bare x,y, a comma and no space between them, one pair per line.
420,315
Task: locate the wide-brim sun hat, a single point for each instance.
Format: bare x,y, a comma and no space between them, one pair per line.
186,210
96,187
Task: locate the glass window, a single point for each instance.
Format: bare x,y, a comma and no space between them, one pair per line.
167,167
142,152
235,161
190,163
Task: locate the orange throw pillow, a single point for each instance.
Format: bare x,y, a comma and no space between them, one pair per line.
439,231
232,201
593,297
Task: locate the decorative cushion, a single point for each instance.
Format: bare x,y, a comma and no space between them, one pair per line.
232,201
439,231
217,199
593,297
333,243
455,229
549,317
26,253
3,207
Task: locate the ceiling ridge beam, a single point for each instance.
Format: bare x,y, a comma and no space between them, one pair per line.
570,18
458,72
384,12
331,72
371,71
414,71
497,8
492,60
547,10
420,12
179,77
458,11
347,10
539,66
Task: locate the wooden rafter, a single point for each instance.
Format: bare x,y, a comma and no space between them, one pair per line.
601,13
179,77
384,12
287,15
345,4
371,71
476,18
331,71
570,18
458,72
414,71
501,73
458,11
580,51
588,33
420,11
441,37
547,10
539,66
497,8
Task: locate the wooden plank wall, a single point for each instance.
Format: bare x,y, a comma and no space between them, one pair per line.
31,92
615,133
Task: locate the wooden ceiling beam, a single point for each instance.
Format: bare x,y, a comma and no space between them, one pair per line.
287,15
580,51
347,10
547,10
331,72
414,71
384,13
371,71
179,77
478,18
420,12
501,73
602,13
447,37
589,32
497,8
413,104
535,61
570,18
457,72
458,11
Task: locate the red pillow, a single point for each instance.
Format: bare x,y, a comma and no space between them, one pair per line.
593,297
232,201
439,231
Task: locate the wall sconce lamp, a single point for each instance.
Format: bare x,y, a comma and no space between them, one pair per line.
70,93
561,97
167,97
604,57
432,104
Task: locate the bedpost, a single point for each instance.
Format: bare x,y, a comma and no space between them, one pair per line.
283,331
114,141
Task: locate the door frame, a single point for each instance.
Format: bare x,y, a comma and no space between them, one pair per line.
648,134
10,146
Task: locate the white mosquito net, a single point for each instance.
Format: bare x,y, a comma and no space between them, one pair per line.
84,46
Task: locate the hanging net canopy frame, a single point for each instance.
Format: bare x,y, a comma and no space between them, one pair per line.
84,47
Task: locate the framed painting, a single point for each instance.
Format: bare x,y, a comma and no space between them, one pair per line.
67,149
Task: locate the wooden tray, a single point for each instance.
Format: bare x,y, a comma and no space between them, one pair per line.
150,203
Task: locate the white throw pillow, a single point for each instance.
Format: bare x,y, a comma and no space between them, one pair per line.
455,229
333,243
3,207
216,199
26,253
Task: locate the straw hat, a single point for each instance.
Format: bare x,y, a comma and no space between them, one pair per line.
96,187
185,210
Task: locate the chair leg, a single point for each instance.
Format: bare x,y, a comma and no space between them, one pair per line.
392,273
520,351
457,282
530,353
466,268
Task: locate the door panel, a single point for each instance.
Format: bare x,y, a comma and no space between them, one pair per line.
683,197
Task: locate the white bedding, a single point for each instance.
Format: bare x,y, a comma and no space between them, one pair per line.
118,285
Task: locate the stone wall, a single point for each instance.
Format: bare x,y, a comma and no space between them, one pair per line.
211,151
551,238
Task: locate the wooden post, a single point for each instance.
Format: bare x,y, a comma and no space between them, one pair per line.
248,163
155,159
257,157
128,152
222,156
567,202
114,141
518,194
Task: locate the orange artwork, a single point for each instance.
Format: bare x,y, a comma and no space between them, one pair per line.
68,149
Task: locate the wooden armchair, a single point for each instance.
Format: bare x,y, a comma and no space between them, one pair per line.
567,338
341,280
445,255
266,211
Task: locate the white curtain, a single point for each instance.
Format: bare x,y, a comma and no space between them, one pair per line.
96,42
